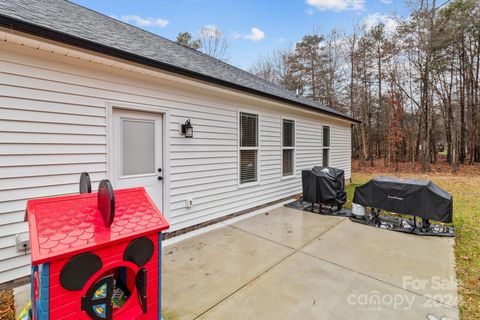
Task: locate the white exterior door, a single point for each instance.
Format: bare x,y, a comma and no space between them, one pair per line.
137,152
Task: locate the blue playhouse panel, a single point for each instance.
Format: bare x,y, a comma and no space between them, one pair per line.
41,304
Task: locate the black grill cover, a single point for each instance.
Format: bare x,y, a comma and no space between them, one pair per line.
324,185
420,198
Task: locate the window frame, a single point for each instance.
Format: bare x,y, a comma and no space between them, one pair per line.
241,184
282,147
329,143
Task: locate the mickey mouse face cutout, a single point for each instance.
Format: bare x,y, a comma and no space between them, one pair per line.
80,268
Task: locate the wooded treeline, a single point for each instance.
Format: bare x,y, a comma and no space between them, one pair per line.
414,83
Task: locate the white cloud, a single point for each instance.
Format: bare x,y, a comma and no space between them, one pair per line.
235,35
337,5
376,18
386,1
143,22
310,11
255,34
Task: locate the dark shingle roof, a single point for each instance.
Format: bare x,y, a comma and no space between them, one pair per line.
73,24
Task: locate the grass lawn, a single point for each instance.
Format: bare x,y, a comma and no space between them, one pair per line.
466,219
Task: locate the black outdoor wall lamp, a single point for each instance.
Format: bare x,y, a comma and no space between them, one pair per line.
187,129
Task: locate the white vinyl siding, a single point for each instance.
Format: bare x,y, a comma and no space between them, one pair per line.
53,126
341,148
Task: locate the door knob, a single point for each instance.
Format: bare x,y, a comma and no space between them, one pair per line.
159,169
160,178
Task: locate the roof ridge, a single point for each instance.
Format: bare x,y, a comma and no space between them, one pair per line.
72,23
169,40
192,50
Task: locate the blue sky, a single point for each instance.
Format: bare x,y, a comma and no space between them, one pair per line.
252,27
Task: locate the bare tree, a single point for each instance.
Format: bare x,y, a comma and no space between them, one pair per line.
414,82
213,42
273,66
336,70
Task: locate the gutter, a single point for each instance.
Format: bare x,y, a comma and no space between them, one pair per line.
43,32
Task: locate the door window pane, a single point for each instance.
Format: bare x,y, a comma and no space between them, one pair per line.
248,130
138,147
248,166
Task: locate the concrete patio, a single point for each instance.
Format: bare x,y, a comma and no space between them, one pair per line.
289,264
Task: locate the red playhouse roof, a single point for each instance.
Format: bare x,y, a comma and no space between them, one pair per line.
66,225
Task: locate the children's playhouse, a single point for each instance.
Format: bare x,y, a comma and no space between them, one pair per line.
96,255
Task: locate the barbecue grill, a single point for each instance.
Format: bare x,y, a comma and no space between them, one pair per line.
418,198
324,186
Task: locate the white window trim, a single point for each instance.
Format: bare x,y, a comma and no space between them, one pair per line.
294,174
239,148
329,144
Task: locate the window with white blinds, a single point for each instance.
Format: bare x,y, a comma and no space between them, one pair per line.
248,146
326,146
288,147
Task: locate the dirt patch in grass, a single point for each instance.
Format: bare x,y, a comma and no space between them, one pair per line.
7,306
465,189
